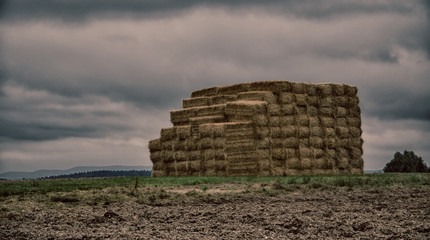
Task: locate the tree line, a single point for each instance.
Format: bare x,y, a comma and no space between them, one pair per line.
104,173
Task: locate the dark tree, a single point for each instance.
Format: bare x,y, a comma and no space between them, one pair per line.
406,162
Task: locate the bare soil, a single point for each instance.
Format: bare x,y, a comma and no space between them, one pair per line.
324,214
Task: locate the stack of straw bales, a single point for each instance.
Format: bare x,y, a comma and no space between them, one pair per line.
263,128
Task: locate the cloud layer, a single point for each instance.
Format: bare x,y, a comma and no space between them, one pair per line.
105,72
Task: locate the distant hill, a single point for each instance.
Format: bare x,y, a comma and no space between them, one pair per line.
104,173
15,175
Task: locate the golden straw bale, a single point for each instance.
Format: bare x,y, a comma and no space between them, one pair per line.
357,163
318,152
355,132
262,132
353,101
205,92
288,109
316,132
338,89
208,154
275,132
341,112
194,155
342,101
181,167
304,142
316,142
314,101
327,111
156,156
180,145
301,99
218,130
302,120
167,156
193,166
158,173
248,108
324,90
342,152
277,142
274,110
218,143
292,163
355,152
196,102
342,142
180,156
330,142
272,86
329,132
303,132
290,152
314,121
233,89
291,142
288,131
182,116
302,110
330,153
264,164
183,132
240,145
278,164
319,163
287,120
299,88
205,130
311,89
191,144
326,102
167,145
341,122
331,163
266,96
350,91
305,164
205,143
286,97
354,112
278,153
154,145
305,152
357,171
356,142
260,120
327,122
168,134
275,121
219,154
343,163
263,143
354,122
222,99
211,110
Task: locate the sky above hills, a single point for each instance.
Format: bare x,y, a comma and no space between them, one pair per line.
90,82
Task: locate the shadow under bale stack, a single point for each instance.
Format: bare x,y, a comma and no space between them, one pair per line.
267,128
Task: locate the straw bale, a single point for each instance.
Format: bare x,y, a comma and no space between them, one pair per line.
277,142
205,92
330,153
338,89
181,167
316,142
301,99
342,152
274,110
326,102
158,173
180,145
156,156
357,162
219,155
266,96
191,144
218,143
354,122
329,132
154,145
303,132
288,109
275,121
218,130
341,112
167,156
275,132
196,102
342,101
180,156
286,97
304,142
290,152
341,122
324,90
291,142
305,164
355,132
350,91
305,152
260,120
210,164
278,166
208,154
327,122
319,164
302,110
233,89
222,99
193,166
342,142
327,111
356,152
316,132
205,143
302,120
247,108
354,112
183,132
263,143
314,121
183,115
299,88
278,153
292,163
353,101
343,163
194,155
205,130
262,132
288,131
240,145
167,145
357,171
330,142
168,134
218,109
331,164
356,142
314,101
312,111
318,152
311,89
264,164
273,86
287,120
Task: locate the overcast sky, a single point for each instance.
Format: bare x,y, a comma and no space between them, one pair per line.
90,82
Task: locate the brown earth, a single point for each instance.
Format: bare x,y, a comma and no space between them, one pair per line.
327,214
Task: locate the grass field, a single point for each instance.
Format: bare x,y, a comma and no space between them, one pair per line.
52,193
